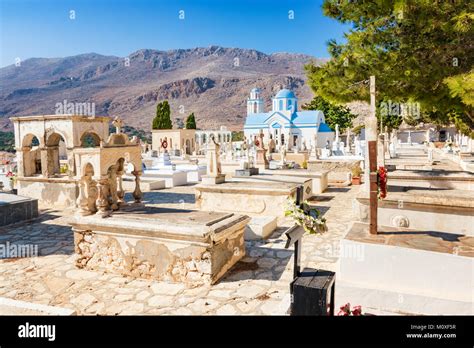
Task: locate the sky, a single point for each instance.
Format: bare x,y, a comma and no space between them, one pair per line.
60,28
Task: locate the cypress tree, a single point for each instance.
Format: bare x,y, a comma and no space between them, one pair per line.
162,119
191,122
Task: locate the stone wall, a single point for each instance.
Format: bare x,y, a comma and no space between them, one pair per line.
319,179
158,259
333,165
249,198
176,139
424,211
298,158
15,209
51,193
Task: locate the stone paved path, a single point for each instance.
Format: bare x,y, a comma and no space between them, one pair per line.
257,285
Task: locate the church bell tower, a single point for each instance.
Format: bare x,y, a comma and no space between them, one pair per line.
255,102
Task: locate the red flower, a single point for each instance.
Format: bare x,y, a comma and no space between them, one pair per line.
345,310
382,182
357,310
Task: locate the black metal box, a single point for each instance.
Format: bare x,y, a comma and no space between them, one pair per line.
312,293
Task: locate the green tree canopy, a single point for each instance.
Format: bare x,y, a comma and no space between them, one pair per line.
191,122
237,135
419,51
7,141
162,119
334,114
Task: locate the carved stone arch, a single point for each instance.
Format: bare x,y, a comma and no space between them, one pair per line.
88,169
30,162
53,137
27,140
121,164
94,137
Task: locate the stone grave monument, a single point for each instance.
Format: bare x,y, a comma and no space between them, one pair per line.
214,172
246,164
261,161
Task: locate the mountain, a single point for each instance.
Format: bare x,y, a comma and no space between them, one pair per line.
213,82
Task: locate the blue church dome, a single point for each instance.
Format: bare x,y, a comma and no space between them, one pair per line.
324,128
285,93
255,90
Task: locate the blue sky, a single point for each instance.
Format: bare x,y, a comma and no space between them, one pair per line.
43,28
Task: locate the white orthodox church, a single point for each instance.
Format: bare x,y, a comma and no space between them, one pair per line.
285,124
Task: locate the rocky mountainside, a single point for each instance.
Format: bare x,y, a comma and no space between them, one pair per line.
213,82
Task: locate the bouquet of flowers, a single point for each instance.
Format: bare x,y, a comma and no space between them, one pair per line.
12,177
305,216
346,310
382,182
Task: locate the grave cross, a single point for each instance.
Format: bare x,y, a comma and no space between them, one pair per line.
294,235
373,186
312,291
118,124
371,137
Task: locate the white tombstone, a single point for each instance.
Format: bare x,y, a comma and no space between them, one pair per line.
243,164
163,160
336,143
358,150
348,141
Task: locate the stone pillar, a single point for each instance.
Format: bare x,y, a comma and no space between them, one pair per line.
53,160
44,162
20,162
82,201
137,193
113,188
102,198
92,194
71,170
120,191
214,172
261,161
